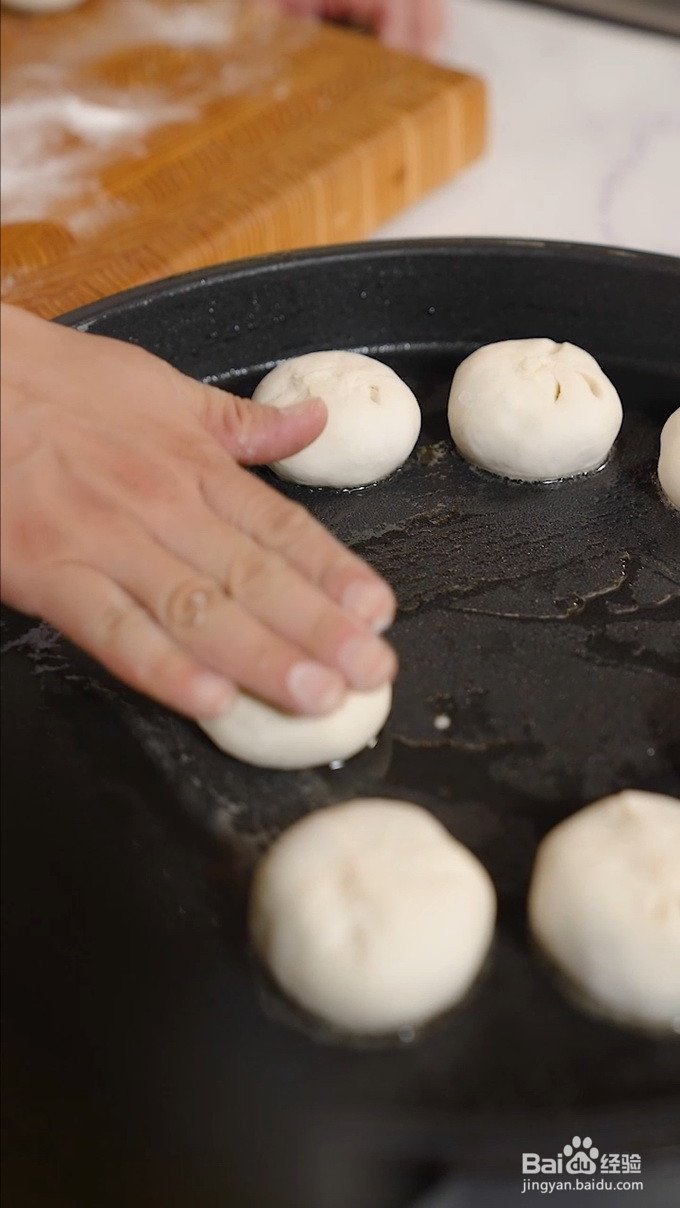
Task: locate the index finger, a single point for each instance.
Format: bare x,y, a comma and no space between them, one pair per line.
287,528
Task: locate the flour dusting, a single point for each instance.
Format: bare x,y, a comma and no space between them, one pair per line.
53,144
60,126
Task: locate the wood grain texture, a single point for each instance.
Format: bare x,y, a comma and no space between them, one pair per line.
331,135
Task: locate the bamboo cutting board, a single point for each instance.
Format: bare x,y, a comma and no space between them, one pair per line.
135,148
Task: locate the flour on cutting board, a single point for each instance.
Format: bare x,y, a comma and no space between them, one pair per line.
54,141
60,127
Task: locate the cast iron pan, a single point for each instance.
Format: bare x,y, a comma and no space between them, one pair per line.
543,621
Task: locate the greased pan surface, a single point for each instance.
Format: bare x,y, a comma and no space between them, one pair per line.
544,621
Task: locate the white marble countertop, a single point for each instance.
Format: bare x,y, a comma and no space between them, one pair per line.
584,132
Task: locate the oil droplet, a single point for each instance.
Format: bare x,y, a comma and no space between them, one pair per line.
442,721
407,1034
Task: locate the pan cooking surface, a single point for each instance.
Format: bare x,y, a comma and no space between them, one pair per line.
540,660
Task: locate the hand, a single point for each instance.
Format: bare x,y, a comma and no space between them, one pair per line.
129,524
411,25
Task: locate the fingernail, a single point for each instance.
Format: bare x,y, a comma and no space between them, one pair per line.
314,688
382,623
367,662
370,602
211,695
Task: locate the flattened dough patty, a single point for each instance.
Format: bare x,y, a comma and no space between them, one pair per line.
268,737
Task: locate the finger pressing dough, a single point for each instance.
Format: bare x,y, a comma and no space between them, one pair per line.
371,915
373,418
533,410
604,904
669,459
268,737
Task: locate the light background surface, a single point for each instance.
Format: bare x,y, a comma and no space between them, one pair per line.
584,131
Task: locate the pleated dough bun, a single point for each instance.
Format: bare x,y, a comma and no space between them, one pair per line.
604,905
372,916
533,410
268,737
373,418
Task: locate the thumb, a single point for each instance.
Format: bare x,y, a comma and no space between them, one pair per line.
255,434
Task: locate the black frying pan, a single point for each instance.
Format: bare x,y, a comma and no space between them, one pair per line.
543,620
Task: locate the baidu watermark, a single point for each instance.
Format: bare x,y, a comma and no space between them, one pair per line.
581,1167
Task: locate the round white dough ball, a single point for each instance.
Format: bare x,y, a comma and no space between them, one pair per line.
268,737
533,410
371,915
373,418
669,459
604,905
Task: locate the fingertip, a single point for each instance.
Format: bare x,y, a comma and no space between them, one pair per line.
372,603
315,689
367,662
210,696
266,433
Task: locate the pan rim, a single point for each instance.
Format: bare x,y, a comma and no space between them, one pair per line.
594,254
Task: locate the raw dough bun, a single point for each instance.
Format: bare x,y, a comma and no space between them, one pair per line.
604,904
373,418
371,915
669,459
533,409
268,737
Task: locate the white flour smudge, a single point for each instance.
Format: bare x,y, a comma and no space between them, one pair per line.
58,134
53,142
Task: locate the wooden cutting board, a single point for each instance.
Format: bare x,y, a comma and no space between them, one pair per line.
130,156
